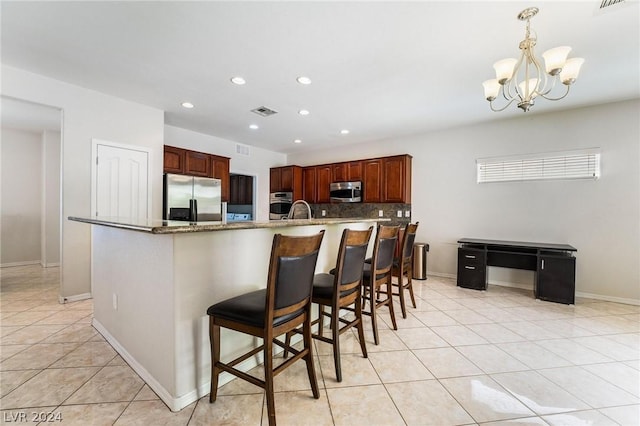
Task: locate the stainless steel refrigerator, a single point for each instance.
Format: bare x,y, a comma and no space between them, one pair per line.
191,198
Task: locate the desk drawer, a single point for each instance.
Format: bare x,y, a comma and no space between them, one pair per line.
472,269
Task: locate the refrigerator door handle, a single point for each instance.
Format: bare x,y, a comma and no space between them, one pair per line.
193,210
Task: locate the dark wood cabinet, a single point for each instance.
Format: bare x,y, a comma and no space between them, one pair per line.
472,272
354,171
241,189
174,159
339,172
197,164
286,179
556,278
397,179
323,180
309,191
372,181
186,162
220,170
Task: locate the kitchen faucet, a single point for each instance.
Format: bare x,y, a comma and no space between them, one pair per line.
293,206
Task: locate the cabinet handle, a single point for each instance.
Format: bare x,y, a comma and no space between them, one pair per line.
542,266
470,267
468,256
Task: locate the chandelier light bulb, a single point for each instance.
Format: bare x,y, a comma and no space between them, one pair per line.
491,89
570,71
504,69
554,59
530,90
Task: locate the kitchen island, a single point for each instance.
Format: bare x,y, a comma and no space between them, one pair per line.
152,282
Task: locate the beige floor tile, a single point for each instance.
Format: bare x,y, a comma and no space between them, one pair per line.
447,362
37,356
484,399
631,340
573,351
625,415
91,414
7,351
525,421
495,333
534,355
65,317
48,388
399,366
427,403
6,330
363,405
231,410
9,380
89,354
420,338
73,333
31,334
146,394
434,318
300,408
349,344
608,348
467,316
491,359
580,418
619,374
118,360
538,393
389,341
144,413
356,371
111,384
458,335
530,331
26,318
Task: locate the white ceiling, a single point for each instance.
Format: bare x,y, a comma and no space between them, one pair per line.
379,69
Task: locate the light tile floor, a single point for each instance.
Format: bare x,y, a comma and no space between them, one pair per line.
462,357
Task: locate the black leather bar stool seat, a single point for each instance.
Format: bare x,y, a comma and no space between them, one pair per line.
283,306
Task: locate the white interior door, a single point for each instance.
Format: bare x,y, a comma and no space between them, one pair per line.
121,181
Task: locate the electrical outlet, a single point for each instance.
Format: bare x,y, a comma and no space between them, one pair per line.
399,214
407,213
115,302
324,213
380,213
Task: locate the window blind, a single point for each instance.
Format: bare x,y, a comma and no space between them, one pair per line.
584,164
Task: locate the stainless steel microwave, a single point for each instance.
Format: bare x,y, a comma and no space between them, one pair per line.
346,192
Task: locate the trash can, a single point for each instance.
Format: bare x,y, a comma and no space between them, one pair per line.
420,261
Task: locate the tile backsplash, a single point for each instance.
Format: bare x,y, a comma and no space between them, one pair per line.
367,210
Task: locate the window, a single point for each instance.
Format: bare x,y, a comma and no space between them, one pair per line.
582,164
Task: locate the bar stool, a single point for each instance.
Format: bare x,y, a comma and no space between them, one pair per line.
378,273
403,265
341,289
283,306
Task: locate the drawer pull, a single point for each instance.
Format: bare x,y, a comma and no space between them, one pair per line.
468,256
470,267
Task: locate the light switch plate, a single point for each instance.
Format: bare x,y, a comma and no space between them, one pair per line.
324,213
407,213
399,213
380,213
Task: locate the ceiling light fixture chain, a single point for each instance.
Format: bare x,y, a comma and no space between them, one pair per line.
523,79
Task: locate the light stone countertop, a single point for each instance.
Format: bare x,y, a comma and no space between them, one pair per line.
156,226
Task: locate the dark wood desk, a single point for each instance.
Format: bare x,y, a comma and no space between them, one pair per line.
554,265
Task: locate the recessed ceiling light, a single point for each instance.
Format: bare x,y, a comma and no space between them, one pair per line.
303,80
303,112
253,126
344,131
297,141
187,104
238,80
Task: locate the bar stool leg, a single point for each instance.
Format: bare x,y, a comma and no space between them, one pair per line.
391,310
214,338
308,342
360,327
374,316
268,380
335,333
403,305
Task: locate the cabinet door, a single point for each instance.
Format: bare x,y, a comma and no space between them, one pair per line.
372,181
309,184
394,182
221,171
556,279
472,271
234,190
275,183
174,159
323,176
247,189
339,172
198,164
286,179
354,171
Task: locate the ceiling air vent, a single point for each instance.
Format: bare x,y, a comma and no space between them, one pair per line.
607,3
264,111
242,149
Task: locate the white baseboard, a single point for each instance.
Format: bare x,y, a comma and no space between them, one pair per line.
623,300
441,274
50,265
25,263
74,298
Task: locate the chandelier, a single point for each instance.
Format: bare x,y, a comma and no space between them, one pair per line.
523,79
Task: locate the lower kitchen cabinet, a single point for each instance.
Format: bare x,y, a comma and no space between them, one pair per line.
472,272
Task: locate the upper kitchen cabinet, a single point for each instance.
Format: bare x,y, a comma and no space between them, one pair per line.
241,191
346,172
323,181
396,179
372,180
220,170
286,179
174,159
309,190
197,164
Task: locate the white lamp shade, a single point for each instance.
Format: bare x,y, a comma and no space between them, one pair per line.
554,59
491,89
504,69
532,89
571,70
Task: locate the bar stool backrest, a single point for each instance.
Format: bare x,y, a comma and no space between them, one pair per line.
384,248
408,240
351,256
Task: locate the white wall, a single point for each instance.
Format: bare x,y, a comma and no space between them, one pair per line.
88,114
256,164
50,220
600,218
21,188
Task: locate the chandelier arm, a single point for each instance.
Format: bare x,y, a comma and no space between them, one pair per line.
557,99
500,109
513,89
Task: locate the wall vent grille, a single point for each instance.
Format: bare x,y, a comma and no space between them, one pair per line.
607,3
243,149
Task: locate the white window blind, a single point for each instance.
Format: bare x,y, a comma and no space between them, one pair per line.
583,164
